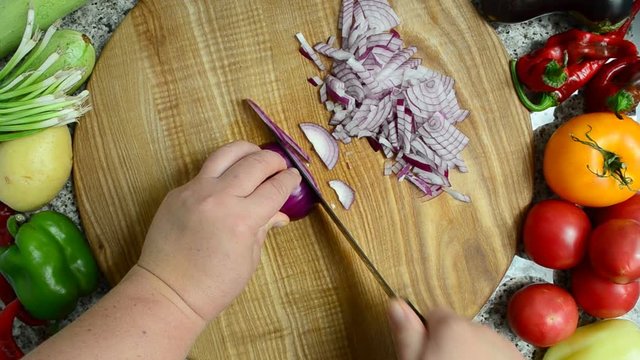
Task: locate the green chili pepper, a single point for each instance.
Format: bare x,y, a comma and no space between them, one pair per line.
49,266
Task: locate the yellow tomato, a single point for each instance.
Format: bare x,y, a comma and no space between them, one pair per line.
594,159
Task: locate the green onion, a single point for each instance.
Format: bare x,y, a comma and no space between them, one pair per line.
31,101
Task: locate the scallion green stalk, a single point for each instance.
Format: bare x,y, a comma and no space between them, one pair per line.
31,99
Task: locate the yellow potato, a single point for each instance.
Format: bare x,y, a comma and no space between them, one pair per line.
34,169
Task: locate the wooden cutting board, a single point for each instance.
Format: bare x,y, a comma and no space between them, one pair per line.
168,91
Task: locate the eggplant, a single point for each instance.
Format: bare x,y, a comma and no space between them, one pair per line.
605,15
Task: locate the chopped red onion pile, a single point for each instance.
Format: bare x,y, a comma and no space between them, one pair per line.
376,89
345,193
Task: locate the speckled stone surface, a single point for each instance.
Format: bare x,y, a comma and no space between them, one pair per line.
100,18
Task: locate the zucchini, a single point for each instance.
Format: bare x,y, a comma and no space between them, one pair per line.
13,17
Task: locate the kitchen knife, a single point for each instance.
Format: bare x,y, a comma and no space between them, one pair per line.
306,176
287,144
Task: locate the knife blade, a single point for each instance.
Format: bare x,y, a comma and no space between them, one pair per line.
306,176
288,145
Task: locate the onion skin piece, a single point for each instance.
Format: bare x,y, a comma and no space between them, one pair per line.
302,199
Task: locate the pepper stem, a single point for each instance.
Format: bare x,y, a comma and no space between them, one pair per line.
555,74
612,166
546,101
13,224
621,102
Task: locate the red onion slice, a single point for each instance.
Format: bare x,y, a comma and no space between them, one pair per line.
388,164
346,195
307,50
315,81
331,52
442,137
457,195
380,14
323,143
282,136
331,40
346,20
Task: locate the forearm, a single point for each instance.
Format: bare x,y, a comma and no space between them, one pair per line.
140,318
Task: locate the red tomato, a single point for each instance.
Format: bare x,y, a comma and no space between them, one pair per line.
600,297
555,234
542,314
614,250
629,209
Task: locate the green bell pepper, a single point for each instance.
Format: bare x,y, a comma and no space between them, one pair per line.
49,266
614,339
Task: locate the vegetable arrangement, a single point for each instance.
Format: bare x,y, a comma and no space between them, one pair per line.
568,62
600,15
45,262
604,264
602,251
592,162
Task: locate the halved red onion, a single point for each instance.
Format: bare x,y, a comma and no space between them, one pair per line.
379,91
323,143
287,142
282,136
346,195
302,200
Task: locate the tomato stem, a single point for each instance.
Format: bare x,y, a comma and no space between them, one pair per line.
612,166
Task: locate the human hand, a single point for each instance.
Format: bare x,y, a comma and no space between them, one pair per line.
205,239
448,337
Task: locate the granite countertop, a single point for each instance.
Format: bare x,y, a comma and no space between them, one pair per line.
100,18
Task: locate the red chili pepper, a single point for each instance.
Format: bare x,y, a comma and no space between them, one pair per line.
7,295
5,237
616,87
567,62
9,349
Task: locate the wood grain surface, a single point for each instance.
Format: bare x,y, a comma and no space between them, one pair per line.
168,91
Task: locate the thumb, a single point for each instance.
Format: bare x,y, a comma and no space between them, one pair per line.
409,335
278,220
